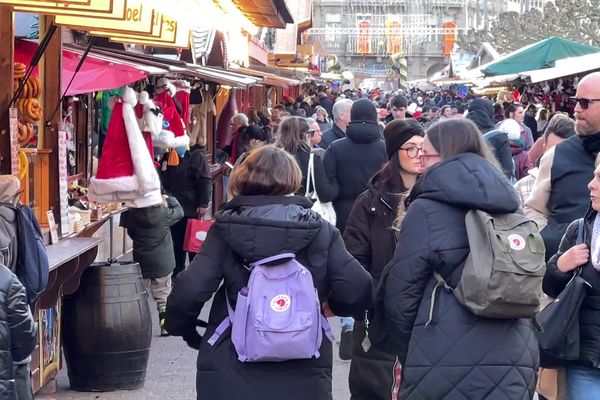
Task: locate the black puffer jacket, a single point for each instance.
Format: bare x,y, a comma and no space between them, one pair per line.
190,182
350,163
149,228
589,314
248,229
17,330
458,355
369,235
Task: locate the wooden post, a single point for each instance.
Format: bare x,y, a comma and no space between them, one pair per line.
50,69
6,90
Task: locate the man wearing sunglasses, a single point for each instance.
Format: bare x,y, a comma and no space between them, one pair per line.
560,194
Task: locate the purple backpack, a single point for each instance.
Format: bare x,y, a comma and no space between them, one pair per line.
278,315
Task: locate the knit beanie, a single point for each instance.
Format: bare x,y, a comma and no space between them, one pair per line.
398,132
363,110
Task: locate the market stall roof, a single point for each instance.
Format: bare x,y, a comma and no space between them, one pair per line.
566,67
266,13
176,67
97,72
270,78
543,54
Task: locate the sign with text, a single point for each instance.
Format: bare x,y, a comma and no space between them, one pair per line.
76,7
130,16
14,142
63,180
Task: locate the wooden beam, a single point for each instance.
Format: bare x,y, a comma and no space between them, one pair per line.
6,90
51,78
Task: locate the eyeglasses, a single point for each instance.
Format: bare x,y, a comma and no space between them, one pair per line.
312,132
413,151
584,103
424,157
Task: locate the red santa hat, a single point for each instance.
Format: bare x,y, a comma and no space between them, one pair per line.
125,170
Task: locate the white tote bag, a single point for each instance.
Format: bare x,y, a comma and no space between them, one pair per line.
325,210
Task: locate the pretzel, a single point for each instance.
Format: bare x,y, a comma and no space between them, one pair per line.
19,70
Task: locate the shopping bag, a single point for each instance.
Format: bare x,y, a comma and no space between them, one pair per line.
195,234
325,210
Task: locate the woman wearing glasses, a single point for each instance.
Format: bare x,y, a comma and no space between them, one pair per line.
371,239
294,137
449,352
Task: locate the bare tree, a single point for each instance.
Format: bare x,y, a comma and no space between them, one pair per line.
577,20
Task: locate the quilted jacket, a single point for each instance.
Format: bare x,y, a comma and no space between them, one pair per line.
17,331
457,355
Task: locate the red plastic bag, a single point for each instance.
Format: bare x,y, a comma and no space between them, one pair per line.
195,234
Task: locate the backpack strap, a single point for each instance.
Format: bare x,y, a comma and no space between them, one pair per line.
440,283
283,256
226,323
327,328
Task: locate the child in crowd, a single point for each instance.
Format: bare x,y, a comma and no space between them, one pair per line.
149,228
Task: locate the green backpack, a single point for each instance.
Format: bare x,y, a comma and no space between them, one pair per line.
502,275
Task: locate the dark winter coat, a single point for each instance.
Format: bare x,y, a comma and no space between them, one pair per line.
370,238
572,170
327,191
18,331
248,229
149,228
331,135
351,162
589,314
190,182
458,355
327,104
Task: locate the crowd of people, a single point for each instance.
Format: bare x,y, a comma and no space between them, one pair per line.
401,186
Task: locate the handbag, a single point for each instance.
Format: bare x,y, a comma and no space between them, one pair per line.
559,339
325,210
195,234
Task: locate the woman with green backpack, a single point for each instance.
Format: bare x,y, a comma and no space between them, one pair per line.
447,349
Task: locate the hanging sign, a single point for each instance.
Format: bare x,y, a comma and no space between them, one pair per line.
363,45
14,142
131,16
77,7
449,38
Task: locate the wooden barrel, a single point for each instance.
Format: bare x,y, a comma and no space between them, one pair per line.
107,329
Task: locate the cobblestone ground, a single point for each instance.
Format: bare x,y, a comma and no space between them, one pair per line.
172,371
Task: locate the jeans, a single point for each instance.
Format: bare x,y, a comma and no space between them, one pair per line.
583,383
347,323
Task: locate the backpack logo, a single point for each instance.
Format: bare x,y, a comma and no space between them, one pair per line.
516,242
280,303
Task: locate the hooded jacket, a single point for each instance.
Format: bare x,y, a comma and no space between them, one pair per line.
18,331
149,228
350,163
247,229
589,313
458,351
481,112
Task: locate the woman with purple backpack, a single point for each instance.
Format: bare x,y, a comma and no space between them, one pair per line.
278,261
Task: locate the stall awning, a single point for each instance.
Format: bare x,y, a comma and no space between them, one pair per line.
270,78
566,67
222,76
97,72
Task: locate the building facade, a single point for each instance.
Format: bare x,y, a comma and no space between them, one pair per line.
369,36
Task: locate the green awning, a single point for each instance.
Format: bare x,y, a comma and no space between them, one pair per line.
539,55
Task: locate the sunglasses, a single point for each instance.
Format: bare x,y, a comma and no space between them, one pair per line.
584,103
312,132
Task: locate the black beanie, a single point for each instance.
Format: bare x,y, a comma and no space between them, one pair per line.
397,132
363,110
